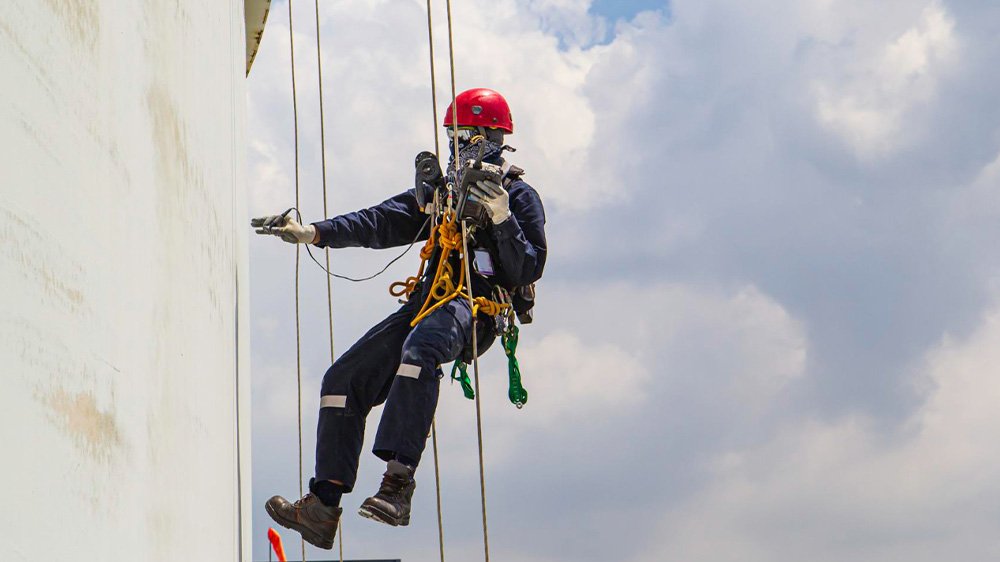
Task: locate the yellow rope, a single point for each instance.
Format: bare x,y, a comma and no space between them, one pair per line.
444,288
405,288
487,307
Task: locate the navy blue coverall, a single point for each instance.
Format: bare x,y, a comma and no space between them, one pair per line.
399,365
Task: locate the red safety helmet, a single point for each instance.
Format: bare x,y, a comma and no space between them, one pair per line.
481,107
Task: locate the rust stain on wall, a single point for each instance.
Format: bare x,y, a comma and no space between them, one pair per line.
81,17
93,431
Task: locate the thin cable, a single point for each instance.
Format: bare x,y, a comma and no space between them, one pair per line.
454,95
434,110
298,335
437,486
468,277
416,238
298,215
322,152
374,275
322,148
475,374
437,151
236,315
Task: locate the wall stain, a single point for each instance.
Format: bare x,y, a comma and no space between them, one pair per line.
21,248
35,65
184,204
38,355
170,139
81,17
5,29
42,144
93,431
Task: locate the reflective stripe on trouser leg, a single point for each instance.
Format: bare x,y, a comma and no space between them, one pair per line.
358,380
412,400
407,416
333,401
407,370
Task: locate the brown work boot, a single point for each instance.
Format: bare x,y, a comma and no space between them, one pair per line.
316,522
391,505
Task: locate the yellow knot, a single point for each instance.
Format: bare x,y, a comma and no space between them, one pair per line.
404,288
449,237
443,285
488,307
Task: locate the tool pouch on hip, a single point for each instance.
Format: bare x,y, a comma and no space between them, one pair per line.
523,299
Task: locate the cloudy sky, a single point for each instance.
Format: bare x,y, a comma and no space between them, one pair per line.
770,320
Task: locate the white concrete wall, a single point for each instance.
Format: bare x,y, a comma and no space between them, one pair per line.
123,281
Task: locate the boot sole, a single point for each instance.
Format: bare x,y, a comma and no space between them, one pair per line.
311,537
376,514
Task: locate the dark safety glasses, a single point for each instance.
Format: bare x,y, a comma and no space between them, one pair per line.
464,133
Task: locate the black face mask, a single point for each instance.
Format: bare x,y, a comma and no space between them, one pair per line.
492,154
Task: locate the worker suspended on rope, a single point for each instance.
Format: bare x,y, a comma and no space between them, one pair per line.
399,360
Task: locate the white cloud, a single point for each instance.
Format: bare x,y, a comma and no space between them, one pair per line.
579,379
733,305
979,200
870,99
850,489
568,20
674,328
601,355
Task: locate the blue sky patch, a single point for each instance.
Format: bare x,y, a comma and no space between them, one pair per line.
625,9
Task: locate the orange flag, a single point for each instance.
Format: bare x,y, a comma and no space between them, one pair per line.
275,540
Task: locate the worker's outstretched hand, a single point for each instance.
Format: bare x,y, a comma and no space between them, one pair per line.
286,228
494,198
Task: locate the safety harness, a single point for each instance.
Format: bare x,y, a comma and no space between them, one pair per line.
447,238
443,288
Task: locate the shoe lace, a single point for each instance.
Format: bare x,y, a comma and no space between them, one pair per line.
302,501
393,484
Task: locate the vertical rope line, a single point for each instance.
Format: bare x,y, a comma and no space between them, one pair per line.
437,151
454,95
437,487
475,375
298,335
322,147
434,110
326,251
468,277
236,293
